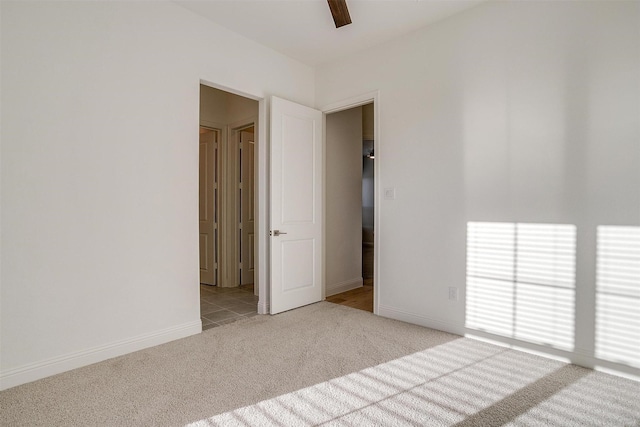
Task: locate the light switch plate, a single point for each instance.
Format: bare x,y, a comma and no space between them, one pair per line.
390,193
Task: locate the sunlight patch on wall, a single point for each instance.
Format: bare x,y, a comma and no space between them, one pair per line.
521,281
618,295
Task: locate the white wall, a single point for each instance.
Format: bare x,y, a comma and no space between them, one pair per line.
225,108
368,125
510,111
100,108
214,105
343,214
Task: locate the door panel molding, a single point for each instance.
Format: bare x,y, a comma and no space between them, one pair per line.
296,205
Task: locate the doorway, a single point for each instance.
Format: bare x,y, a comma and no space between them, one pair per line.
304,125
350,160
228,208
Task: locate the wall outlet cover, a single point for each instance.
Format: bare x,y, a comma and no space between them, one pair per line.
390,193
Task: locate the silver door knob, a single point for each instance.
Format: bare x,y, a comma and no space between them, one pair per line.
276,233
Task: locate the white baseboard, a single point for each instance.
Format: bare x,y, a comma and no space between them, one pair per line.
578,356
56,365
418,319
345,286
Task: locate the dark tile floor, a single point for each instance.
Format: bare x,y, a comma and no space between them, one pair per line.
219,306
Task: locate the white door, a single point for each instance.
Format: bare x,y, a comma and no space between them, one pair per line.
296,205
246,190
208,205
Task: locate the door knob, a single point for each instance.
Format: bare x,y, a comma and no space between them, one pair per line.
276,233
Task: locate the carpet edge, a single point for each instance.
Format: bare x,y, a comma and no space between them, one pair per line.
35,371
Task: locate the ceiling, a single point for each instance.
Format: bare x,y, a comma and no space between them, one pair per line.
304,29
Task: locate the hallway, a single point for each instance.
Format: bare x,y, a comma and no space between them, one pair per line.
360,298
219,306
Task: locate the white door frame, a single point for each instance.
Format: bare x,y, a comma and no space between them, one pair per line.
347,104
262,186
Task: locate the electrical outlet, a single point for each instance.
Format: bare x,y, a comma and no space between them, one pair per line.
390,193
453,293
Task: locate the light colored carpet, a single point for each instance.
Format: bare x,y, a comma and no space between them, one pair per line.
325,364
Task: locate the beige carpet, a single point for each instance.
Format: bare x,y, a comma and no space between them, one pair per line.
324,364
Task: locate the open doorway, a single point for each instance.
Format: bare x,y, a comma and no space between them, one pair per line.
227,172
350,207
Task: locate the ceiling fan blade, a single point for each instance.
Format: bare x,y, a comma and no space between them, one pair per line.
339,12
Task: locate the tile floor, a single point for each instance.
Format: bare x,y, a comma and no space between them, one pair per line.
219,306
